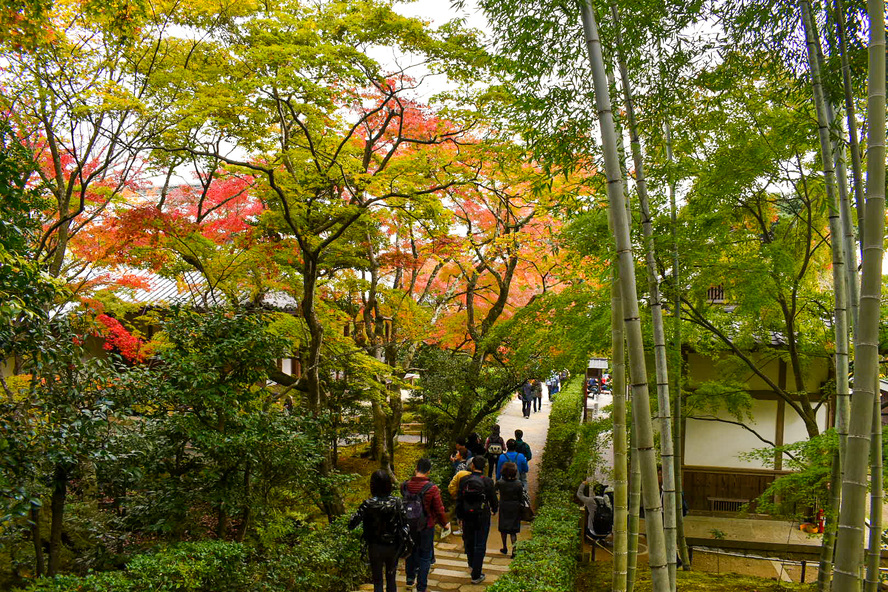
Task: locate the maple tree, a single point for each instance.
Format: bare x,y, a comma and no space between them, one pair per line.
502,257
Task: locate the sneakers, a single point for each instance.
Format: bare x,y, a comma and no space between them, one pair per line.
504,551
479,579
409,583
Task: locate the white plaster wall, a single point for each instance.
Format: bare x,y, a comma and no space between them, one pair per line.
718,444
794,429
287,366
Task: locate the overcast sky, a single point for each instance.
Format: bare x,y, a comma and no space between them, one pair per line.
439,12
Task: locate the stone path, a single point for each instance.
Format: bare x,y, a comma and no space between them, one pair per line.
450,571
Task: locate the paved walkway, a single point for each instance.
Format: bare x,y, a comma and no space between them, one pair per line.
450,571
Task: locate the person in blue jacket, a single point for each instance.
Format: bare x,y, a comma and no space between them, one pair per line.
512,455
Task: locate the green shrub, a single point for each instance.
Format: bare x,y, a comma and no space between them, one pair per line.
316,560
187,567
112,581
548,561
301,560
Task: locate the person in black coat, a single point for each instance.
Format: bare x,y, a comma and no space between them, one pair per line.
511,499
385,530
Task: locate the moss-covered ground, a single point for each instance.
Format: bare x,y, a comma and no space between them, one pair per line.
596,577
353,460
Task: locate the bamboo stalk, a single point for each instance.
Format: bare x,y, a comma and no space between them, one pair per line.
656,306
631,314
634,506
680,540
621,485
874,553
840,278
849,544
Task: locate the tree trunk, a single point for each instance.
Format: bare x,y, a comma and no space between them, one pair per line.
874,554
662,374
37,540
247,510
849,544
393,425
377,442
57,509
221,522
621,484
331,500
641,399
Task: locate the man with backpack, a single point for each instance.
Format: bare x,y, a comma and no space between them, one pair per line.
424,509
522,446
475,504
512,455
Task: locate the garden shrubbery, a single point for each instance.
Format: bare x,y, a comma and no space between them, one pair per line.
304,560
548,561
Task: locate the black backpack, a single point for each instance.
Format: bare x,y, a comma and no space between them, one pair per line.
414,505
472,499
603,521
385,524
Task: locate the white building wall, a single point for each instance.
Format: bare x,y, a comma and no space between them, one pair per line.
718,444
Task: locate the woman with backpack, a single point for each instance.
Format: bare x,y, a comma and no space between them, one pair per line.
511,500
495,445
385,530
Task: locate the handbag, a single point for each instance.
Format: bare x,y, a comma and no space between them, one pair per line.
527,514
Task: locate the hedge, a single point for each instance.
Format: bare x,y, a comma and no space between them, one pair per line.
548,561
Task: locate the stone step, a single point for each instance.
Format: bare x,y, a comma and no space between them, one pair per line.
490,556
462,583
459,576
460,563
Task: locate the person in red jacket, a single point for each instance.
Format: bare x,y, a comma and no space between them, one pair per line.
419,562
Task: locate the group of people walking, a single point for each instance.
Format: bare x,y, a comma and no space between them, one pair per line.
405,526
531,392
531,396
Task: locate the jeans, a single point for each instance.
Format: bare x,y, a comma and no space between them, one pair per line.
475,531
525,407
383,560
419,562
537,403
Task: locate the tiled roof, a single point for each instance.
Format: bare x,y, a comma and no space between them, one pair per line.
189,289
